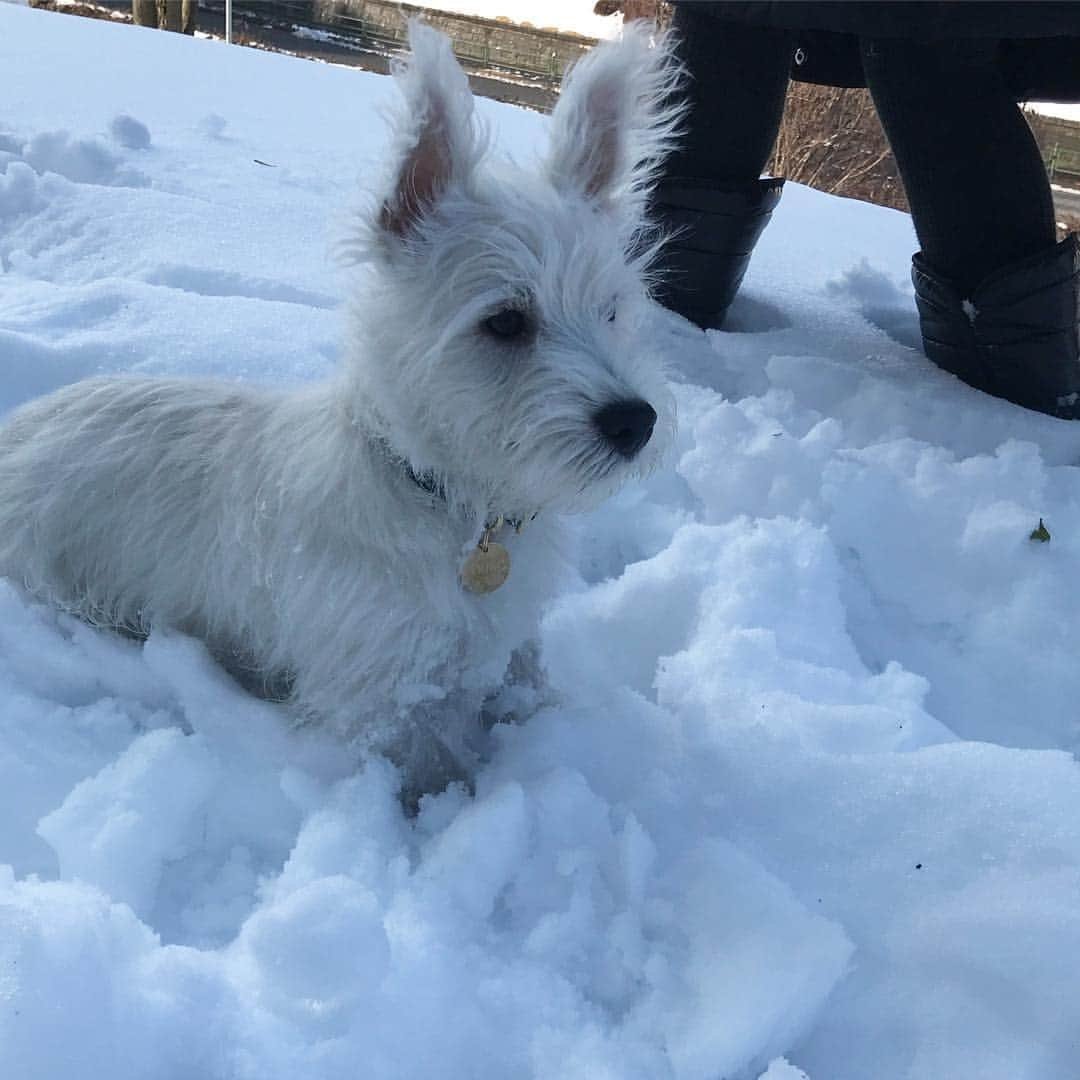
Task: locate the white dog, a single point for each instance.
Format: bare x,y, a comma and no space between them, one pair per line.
348,539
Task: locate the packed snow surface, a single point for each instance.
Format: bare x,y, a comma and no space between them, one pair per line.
807,805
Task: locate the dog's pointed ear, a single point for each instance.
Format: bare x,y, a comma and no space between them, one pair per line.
618,117
436,131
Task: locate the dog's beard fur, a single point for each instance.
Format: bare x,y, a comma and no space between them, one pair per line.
288,529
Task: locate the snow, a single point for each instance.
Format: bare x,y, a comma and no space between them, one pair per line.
807,806
574,16
1063,110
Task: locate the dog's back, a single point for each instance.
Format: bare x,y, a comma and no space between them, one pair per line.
95,478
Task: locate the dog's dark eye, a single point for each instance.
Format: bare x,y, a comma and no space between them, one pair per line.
508,323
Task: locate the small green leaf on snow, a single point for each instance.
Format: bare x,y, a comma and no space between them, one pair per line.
1042,533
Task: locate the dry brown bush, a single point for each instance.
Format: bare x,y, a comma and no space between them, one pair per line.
1067,223
831,139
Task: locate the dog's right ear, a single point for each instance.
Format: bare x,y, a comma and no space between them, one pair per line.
436,131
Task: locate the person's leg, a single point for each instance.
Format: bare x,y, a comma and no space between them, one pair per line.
974,177
711,196
737,80
997,296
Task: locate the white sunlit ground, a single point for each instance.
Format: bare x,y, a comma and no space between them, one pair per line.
575,16
808,803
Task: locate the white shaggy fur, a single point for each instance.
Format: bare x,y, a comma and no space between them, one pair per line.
283,527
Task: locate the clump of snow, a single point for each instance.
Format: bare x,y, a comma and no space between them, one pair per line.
805,806
129,132
18,188
213,125
781,1069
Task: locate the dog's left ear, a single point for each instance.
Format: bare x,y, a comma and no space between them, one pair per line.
618,117
438,139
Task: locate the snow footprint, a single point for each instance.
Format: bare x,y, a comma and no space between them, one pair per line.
82,161
206,282
880,301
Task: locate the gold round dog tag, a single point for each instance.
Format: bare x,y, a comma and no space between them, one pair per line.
486,568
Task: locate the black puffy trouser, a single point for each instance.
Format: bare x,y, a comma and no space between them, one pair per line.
997,298
974,177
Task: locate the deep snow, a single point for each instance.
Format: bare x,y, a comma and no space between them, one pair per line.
808,805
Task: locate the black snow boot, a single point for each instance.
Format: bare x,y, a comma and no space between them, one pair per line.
1017,336
713,232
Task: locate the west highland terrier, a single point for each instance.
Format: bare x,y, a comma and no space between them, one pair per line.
352,540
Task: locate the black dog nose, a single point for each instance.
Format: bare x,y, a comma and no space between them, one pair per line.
626,425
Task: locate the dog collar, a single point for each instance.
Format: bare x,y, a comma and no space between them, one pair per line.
426,482
487,566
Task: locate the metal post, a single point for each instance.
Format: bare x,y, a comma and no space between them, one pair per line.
228,22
